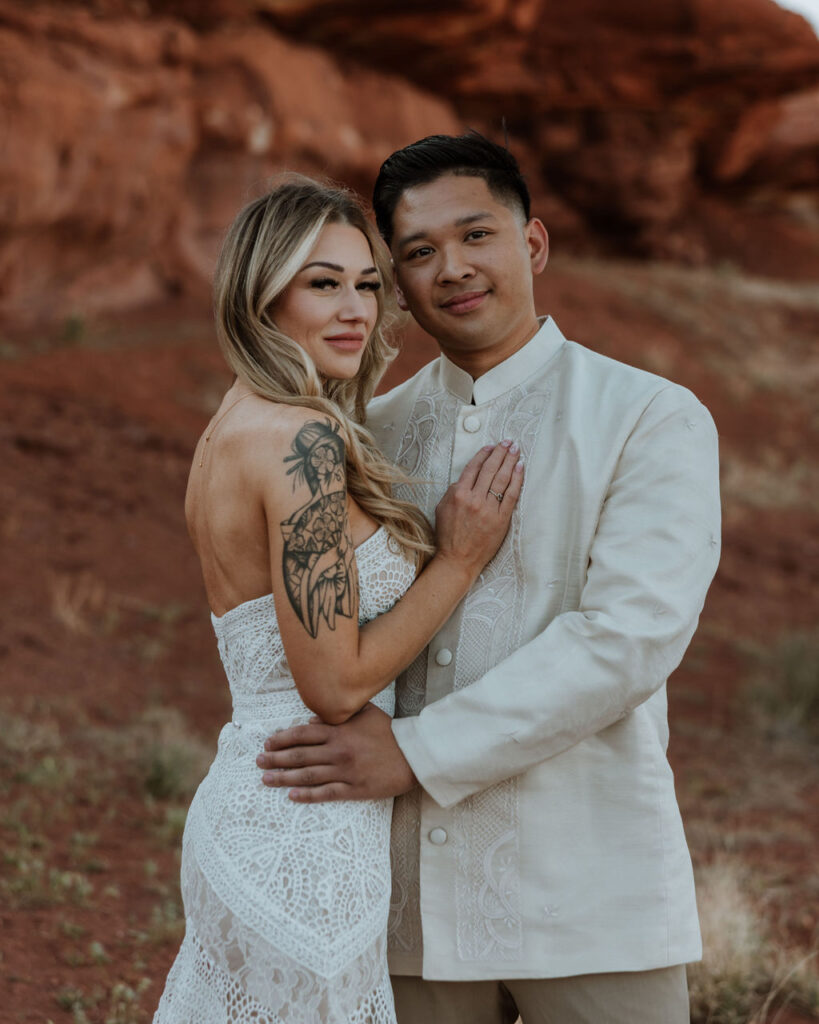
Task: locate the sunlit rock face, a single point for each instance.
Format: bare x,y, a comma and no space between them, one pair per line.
630,110
131,141
137,127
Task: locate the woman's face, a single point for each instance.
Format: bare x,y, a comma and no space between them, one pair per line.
330,306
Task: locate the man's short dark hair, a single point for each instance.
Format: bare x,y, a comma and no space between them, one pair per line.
422,162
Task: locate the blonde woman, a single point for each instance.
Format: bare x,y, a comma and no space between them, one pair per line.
308,562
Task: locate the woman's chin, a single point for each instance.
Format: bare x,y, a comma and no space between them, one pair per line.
330,383
348,372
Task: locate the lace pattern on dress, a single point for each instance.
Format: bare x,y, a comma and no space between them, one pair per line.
286,904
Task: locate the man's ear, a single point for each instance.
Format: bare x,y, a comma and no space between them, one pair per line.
537,238
399,295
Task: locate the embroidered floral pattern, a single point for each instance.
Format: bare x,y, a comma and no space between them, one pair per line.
486,900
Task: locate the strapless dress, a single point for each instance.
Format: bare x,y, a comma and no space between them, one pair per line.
286,904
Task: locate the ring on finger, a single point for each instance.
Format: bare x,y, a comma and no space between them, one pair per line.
496,495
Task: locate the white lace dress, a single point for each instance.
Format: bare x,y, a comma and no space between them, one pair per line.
286,904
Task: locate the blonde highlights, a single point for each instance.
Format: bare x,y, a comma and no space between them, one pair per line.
265,247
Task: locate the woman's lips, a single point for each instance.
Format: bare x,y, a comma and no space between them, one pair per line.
464,303
346,342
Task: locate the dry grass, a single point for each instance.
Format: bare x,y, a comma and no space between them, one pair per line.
62,819
767,482
47,860
77,600
84,605
119,1004
783,693
743,977
166,757
750,822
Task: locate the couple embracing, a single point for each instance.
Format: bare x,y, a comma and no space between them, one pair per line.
523,534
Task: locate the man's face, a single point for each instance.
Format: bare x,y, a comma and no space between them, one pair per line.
464,262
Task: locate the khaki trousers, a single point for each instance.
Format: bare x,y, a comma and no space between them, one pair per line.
639,997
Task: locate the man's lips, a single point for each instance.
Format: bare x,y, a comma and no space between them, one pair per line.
465,302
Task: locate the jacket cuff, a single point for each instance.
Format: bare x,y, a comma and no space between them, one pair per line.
425,766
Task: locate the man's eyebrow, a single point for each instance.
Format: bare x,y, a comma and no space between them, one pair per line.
335,266
407,239
469,218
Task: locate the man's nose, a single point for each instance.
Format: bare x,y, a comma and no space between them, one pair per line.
454,265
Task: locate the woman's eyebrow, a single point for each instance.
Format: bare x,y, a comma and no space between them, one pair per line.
321,263
335,266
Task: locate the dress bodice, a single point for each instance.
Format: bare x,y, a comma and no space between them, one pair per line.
250,643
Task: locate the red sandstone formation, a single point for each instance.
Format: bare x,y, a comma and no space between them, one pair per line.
631,109
129,143
132,130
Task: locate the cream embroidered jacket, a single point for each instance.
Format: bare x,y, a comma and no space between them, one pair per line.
546,840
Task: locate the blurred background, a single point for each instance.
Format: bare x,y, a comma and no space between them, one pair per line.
672,148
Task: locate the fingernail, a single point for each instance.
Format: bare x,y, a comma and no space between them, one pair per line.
519,466
505,444
269,778
260,761
514,447
487,448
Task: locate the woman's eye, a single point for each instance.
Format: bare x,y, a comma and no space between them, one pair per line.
369,286
324,283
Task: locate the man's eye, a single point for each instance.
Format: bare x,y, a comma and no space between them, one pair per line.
324,283
477,233
422,250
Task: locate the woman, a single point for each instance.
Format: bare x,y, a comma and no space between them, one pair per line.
305,554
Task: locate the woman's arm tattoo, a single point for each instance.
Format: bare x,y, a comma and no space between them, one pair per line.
318,562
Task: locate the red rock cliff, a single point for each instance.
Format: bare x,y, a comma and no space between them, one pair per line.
132,131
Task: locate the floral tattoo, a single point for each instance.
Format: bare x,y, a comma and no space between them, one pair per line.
318,563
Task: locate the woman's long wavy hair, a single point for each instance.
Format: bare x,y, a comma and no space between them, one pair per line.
265,247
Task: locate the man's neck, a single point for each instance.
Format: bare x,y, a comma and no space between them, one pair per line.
480,362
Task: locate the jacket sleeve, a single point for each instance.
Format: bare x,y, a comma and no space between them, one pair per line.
652,558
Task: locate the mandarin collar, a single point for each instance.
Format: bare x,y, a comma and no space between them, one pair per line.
508,374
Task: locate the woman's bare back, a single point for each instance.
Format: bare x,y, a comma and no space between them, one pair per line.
242,451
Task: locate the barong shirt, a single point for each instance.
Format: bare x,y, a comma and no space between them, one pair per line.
546,839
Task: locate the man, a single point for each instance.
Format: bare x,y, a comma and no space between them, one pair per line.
540,865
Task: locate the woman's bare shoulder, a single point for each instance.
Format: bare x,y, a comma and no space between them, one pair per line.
283,424
284,443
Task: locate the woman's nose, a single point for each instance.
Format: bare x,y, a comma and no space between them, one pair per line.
354,306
